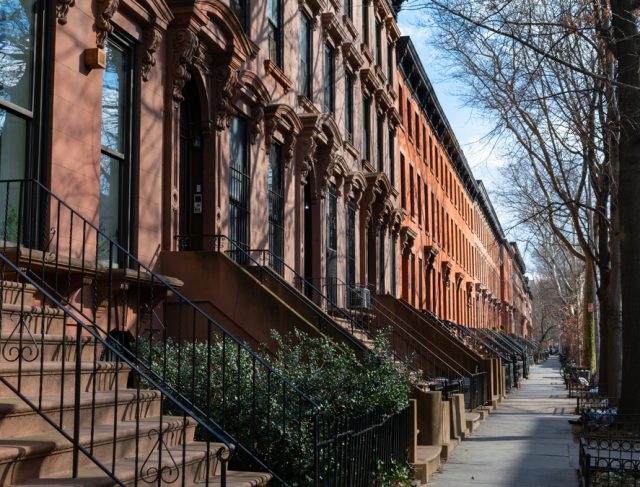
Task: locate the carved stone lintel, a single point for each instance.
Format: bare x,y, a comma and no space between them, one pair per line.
226,81
105,11
186,45
62,9
152,38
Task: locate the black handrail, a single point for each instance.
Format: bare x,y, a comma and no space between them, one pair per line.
119,296
30,348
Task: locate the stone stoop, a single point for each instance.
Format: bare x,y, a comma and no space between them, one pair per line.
123,428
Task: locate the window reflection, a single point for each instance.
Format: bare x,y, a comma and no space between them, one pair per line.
16,53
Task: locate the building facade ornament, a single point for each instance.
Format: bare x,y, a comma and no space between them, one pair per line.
105,11
62,9
225,79
186,46
152,38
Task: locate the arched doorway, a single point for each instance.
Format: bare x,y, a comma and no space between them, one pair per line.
190,167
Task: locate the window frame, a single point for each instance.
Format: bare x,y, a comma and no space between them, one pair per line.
128,159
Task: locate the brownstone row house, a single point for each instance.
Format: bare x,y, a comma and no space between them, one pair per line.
200,173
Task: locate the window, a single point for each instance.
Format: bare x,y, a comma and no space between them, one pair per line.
381,262
351,243
21,35
389,61
329,82
365,23
380,122
426,206
305,56
392,265
403,184
241,9
348,105
275,31
417,129
419,283
392,157
275,186
400,104
366,128
239,184
332,244
115,152
379,43
409,118
413,279
411,191
348,8
419,200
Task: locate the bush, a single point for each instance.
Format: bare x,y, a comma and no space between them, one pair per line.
263,413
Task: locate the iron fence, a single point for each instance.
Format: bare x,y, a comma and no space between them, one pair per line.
353,450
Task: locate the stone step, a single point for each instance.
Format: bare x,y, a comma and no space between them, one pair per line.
29,346
51,377
17,293
50,454
18,419
427,462
193,469
472,420
36,318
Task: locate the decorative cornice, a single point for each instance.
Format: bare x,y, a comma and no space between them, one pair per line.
105,11
283,80
351,55
407,237
332,27
307,157
152,37
62,9
350,27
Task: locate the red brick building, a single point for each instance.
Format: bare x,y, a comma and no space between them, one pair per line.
455,261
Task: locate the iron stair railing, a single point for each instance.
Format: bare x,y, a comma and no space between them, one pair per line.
113,293
28,349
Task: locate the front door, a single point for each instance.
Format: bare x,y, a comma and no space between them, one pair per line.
191,187
332,245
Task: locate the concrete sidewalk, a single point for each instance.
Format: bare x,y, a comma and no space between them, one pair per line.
525,443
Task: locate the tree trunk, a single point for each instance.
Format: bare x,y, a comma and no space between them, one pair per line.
628,55
614,311
589,350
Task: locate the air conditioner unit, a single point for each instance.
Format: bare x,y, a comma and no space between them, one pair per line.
359,298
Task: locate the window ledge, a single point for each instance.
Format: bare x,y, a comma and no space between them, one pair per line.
283,80
351,149
307,104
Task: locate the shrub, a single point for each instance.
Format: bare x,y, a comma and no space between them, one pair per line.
225,381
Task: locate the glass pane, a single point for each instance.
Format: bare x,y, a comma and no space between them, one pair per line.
109,203
113,99
13,146
16,51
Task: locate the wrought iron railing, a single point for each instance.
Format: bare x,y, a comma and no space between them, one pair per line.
353,449
145,324
62,378
609,462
